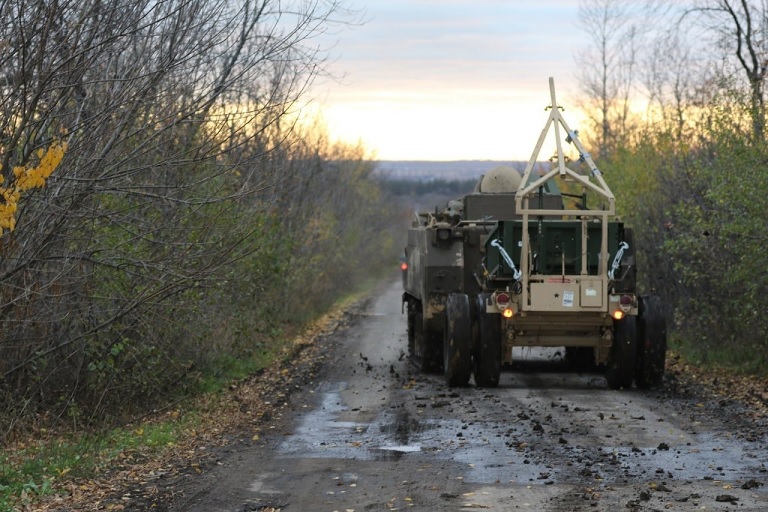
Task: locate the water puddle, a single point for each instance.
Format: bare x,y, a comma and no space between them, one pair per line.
259,485
392,435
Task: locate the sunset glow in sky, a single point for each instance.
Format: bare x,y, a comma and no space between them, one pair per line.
451,79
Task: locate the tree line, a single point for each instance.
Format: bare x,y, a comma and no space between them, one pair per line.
676,102
416,188
187,216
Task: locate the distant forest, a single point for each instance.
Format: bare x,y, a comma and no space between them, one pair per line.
441,187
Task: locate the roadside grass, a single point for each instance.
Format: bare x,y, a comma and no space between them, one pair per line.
227,368
31,469
742,360
37,466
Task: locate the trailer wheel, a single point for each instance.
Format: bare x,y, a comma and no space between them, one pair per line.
652,342
457,358
621,363
486,362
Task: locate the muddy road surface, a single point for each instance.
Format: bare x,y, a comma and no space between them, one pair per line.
372,433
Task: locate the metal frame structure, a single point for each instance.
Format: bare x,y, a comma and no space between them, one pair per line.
527,189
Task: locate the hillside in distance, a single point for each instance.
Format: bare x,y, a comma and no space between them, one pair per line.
427,170
423,185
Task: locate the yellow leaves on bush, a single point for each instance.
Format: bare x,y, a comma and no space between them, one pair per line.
26,178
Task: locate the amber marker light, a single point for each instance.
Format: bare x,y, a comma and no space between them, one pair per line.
618,314
508,313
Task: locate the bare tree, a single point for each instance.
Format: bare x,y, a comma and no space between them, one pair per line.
173,112
741,29
609,68
677,79
601,66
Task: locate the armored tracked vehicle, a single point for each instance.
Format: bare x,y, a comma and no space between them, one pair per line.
511,265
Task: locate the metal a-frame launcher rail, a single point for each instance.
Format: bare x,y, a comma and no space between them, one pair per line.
528,187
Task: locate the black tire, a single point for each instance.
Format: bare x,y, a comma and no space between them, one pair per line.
457,342
623,359
421,350
411,329
486,361
652,342
432,348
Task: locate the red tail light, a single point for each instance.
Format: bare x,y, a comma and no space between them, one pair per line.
403,266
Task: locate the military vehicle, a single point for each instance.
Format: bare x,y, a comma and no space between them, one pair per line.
512,265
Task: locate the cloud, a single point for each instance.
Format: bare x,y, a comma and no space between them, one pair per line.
440,71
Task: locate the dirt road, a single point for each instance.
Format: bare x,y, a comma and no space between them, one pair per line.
374,434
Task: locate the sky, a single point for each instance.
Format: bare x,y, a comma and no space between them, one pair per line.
450,79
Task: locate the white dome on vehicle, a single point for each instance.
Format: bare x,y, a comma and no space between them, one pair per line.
499,180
